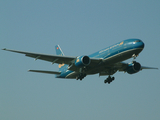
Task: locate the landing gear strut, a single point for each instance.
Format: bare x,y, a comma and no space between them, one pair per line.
134,56
81,76
109,79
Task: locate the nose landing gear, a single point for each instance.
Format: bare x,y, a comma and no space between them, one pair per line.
109,79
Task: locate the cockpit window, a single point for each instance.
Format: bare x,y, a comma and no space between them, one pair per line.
137,41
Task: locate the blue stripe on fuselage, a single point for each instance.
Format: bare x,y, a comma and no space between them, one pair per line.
126,45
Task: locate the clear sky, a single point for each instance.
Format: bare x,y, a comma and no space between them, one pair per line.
80,27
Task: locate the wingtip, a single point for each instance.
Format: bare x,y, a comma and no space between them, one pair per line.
4,49
155,68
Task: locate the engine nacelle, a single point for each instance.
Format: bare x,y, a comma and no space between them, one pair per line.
82,61
133,68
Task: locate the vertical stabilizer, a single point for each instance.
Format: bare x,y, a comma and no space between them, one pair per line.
60,52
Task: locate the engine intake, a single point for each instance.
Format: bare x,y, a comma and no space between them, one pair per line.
82,61
133,68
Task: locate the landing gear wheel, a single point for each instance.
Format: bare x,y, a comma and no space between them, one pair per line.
81,76
109,80
105,81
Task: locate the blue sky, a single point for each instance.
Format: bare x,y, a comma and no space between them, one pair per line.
80,27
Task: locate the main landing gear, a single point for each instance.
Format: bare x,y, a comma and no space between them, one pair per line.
81,76
109,79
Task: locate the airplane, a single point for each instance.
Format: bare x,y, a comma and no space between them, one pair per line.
106,61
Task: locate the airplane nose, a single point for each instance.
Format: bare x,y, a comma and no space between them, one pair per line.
142,44
139,44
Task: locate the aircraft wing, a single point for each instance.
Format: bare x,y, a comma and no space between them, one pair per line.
53,58
50,58
122,66
144,67
43,71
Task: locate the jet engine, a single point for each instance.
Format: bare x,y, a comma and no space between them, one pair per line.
82,61
133,68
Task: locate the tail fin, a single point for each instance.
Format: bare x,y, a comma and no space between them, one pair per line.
60,52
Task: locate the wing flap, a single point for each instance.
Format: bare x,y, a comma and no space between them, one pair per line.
43,71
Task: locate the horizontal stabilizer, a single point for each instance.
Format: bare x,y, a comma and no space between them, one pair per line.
48,72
